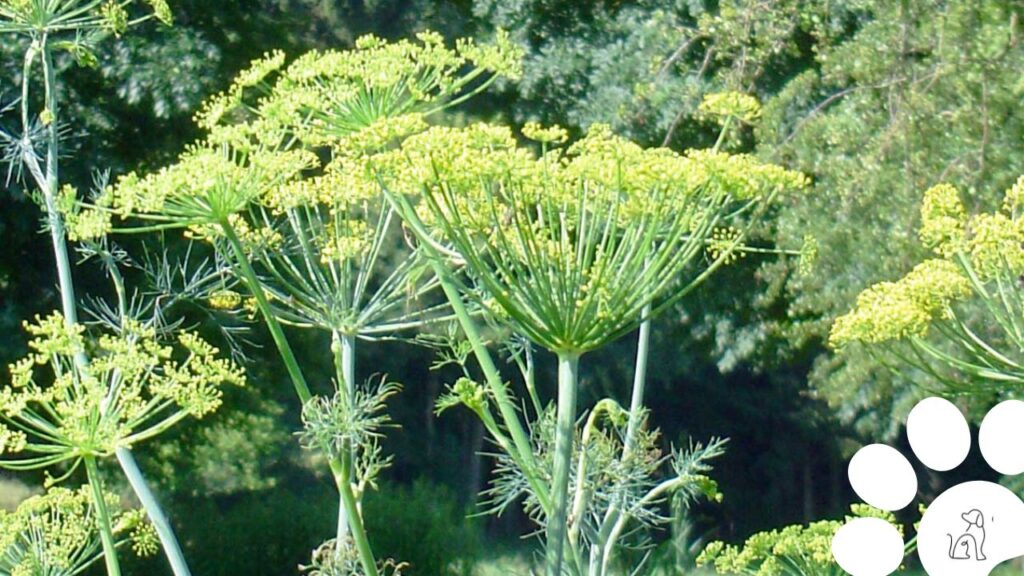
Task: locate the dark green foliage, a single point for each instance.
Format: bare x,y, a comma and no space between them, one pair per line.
921,92
875,99
255,534
422,525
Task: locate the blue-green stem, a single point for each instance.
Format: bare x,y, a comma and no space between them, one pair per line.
341,469
102,517
601,554
344,346
636,401
565,428
49,186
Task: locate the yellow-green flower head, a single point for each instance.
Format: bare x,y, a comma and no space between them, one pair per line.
902,309
793,549
346,240
208,184
808,255
115,17
382,134
744,176
996,244
1013,201
720,106
322,96
260,69
55,533
549,135
556,237
725,244
225,300
135,387
943,220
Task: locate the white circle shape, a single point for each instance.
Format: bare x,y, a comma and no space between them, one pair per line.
883,477
868,547
938,434
1000,435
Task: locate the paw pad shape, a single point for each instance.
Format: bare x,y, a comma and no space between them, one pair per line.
970,528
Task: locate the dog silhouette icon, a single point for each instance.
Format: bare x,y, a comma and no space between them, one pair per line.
970,544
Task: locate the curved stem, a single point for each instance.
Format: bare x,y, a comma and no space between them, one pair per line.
523,452
103,516
565,427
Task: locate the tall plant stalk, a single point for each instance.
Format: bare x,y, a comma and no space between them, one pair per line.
49,184
636,401
565,428
341,468
344,347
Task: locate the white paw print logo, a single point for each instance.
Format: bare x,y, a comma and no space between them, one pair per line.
970,528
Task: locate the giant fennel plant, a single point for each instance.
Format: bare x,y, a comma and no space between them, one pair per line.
570,249
299,182
956,316
281,187
85,394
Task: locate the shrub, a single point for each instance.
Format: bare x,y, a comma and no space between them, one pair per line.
423,525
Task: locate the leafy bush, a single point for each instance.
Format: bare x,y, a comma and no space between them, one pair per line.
424,526
256,535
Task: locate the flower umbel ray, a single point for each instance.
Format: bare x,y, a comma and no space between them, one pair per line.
571,245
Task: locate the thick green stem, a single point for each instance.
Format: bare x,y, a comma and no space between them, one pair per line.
636,401
103,517
343,346
565,427
350,520
523,451
164,531
50,187
355,522
50,190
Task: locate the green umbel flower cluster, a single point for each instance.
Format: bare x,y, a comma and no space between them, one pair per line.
78,19
791,551
59,409
572,243
331,94
55,533
722,106
348,102
971,252
895,310
209,184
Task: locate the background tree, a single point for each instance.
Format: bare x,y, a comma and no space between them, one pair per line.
876,100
